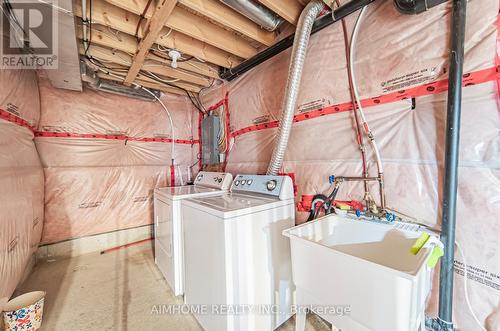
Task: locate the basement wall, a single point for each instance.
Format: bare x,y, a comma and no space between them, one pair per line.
103,155
21,177
398,58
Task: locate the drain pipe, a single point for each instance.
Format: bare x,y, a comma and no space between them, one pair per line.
454,108
299,50
256,13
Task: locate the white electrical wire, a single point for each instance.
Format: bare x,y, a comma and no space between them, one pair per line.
466,290
169,118
161,79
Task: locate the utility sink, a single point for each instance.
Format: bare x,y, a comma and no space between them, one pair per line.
360,275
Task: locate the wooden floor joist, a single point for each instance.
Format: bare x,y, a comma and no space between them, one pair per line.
153,27
116,40
119,19
224,15
114,68
121,58
288,9
192,25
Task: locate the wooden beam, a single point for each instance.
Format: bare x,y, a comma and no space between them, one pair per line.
224,15
103,36
303,2
288,9
144,79
155,24
106,54
192,25
119,19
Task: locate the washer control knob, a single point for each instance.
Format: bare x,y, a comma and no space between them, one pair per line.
271,185
243,182
220,180
236,183
200,177
249,182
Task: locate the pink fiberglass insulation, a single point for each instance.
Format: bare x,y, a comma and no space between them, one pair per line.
103,155
21,177
398,57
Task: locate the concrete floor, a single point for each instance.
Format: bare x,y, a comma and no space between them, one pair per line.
113,291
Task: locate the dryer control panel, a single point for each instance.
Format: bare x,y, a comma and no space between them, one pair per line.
277,186
220,180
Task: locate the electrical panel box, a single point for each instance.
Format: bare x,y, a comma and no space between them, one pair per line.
210,129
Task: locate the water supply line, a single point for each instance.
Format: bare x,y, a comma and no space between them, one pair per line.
299,50
256,13
364,123
359,134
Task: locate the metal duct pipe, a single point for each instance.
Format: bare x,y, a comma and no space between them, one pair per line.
255,12
299,50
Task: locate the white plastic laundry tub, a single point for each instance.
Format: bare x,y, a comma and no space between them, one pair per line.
359,275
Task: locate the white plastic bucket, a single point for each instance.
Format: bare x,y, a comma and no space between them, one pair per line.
24,312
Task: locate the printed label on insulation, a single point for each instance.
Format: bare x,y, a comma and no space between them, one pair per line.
13,109
261,119
90,204
313,105
478,275
410,79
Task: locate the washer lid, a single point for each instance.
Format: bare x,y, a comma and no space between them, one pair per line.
234,204
187,191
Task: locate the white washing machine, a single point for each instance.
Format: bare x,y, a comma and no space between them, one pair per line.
168,222
238,268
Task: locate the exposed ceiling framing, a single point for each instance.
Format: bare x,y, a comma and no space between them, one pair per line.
131,39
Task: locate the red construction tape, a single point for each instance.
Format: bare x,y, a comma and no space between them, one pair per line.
497,51
52,134
9,117
469,79
172,175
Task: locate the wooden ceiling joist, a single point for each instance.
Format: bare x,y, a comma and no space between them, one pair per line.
192,25
119,70
288,9
153,28
222,14
103,36
119,19
108,55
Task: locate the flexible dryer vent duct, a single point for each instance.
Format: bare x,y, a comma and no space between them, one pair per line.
299,50
255,12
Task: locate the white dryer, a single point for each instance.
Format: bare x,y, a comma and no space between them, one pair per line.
238,268
168,222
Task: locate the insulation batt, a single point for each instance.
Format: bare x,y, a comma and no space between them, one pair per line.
395,52
96,185
21,179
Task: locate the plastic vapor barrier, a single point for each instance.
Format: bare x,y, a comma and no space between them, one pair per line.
21,177
398,58
103,155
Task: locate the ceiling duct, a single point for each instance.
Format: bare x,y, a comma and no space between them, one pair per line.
256,12
99,84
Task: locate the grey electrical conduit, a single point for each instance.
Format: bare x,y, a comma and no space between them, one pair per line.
299,50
